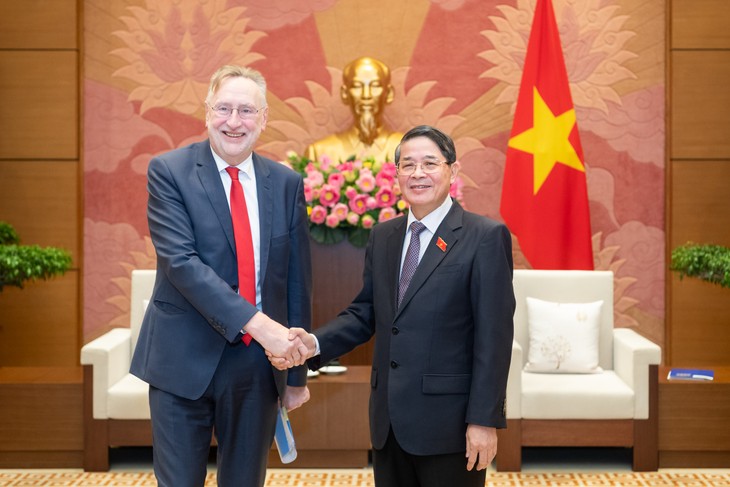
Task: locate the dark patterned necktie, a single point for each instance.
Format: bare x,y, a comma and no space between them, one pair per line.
411,261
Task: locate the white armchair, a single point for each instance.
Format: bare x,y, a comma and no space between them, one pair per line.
116,405
614,407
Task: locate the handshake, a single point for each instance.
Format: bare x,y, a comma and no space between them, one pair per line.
285,347
301,346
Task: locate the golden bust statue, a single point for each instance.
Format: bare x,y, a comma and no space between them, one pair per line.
366,89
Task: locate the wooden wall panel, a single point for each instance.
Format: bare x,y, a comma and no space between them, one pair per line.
39,113
700,124
700,331
700,202
38,24
700,24
41,200
39,324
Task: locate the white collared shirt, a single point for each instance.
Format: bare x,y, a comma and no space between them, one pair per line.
432,222
247,178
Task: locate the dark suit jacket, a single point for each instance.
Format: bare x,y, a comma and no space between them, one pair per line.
441,360
195,309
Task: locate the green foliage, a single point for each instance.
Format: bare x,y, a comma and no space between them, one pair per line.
710,263
8,235
20,263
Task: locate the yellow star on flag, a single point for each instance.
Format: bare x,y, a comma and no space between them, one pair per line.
547,141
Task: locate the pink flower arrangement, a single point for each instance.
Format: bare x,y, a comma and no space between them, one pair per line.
345,200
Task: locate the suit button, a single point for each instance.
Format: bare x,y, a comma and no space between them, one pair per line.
394,365
395,330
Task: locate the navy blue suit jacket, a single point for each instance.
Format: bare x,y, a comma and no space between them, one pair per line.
195,309
441,360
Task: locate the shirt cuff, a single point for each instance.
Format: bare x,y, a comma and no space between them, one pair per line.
316,345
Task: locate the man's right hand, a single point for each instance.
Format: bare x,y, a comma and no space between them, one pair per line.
295,335
275,338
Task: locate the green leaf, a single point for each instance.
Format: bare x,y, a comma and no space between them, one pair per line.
326,235
359,237
710,263
20,263
8,235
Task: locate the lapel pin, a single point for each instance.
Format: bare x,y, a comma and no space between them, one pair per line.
441,244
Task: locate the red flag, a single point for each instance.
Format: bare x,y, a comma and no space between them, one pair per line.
544,195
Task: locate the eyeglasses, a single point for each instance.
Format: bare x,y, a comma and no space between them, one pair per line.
408,168
245,112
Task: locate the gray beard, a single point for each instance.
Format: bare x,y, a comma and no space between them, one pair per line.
367,126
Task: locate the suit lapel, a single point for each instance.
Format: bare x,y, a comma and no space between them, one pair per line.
394,251
211,181
266,207
448,233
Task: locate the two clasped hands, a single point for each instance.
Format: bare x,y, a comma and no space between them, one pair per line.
285,347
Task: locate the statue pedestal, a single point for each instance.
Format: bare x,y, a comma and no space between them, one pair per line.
336,280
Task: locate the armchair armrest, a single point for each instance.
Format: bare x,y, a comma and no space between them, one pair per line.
514,383
110,356
632,355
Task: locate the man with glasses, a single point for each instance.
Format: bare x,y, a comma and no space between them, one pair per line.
233,273
437,294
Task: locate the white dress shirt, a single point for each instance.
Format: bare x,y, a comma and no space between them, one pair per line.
247,179
432,222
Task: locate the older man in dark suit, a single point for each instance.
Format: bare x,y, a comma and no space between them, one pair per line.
437,294
233,272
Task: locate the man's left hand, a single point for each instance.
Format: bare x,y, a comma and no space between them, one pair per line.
481,446
295,397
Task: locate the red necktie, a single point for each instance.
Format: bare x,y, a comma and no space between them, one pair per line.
244,243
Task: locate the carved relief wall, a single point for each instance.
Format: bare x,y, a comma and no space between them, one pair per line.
456,64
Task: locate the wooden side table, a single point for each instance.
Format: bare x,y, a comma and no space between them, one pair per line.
332,430
41,421
694,420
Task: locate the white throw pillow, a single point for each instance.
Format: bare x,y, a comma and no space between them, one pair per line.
563,337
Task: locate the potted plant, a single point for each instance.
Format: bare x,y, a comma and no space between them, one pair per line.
710,263
21,263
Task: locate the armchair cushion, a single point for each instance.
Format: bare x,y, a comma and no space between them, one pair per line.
563,337
128,399
576,396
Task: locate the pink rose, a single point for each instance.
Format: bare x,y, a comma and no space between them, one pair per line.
456,188
350,192
368,221
385,197
341,211
386,214
325,162
314,179
388,169
329,195
384,180
332,221
358,204
366,181
336,179
372,203
353,218
308,193
319,213
345,166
